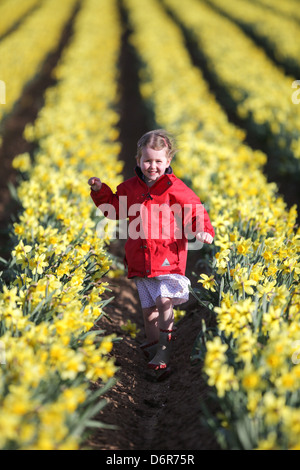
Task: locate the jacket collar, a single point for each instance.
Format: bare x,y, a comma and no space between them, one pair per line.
140,174
160,185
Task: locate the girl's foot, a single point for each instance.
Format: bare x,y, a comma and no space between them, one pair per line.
162,356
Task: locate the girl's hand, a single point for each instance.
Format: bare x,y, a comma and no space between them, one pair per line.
95,183
204,237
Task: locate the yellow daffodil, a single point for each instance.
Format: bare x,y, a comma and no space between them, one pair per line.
130,328
208,282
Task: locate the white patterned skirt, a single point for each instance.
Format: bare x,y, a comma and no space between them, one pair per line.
174,286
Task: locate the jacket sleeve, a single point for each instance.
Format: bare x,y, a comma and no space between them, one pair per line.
195,216
112,205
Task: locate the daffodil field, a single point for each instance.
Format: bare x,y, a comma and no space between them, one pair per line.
56,364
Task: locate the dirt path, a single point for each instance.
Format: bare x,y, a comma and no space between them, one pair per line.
152,415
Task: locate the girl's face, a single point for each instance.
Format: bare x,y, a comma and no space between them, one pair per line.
153,163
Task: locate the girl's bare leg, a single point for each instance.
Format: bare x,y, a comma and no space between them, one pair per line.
151,317
166,314
166,321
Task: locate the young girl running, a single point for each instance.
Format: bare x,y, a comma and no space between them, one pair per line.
163,215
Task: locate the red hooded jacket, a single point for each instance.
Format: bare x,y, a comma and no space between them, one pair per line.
162,218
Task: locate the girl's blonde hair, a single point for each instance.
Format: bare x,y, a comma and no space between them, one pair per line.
156,140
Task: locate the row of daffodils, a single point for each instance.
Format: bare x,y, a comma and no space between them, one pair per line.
258,91
50,352
289,8
13,11
279,33
251,358
39,35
